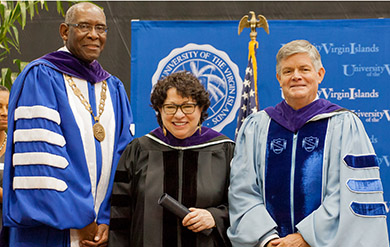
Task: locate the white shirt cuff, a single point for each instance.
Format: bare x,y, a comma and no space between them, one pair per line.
267,239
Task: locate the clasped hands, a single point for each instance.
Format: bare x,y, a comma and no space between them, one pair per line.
93,235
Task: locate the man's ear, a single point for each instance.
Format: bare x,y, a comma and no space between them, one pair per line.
321,74
64,31
278,78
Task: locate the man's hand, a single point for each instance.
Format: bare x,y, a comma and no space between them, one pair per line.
291,240
100,238
88,232
198,220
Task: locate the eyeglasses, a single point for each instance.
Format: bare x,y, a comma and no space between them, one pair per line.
85,27
171,109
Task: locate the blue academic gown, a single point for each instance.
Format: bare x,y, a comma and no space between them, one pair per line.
57,176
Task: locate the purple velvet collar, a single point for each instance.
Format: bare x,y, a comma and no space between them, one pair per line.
69,64
292,119
206,135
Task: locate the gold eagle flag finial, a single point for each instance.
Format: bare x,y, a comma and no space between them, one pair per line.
253,23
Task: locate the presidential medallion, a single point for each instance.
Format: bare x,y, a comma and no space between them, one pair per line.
98,132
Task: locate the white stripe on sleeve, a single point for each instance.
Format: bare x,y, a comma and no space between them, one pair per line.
37,111
37,182
43,135
39,158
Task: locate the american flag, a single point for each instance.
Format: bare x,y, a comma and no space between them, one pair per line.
249,102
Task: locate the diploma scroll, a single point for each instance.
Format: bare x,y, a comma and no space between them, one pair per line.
178,209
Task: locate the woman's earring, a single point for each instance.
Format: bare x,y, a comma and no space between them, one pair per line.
200,128
164,131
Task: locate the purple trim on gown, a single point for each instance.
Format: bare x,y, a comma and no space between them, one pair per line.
206,135
292,119
69,64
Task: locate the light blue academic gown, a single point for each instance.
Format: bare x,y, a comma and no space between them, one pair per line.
322,181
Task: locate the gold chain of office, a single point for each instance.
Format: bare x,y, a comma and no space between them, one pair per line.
98,129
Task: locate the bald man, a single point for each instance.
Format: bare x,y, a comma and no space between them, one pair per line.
69,123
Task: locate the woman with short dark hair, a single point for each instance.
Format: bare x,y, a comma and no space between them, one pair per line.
189,162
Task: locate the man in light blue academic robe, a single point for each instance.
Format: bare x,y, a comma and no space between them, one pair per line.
304,172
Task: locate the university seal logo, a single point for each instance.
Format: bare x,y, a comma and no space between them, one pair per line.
310,143
218,74
278,145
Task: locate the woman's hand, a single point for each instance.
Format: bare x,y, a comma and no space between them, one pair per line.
198,220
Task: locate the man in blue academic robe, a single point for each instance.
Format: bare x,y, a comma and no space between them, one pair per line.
69,122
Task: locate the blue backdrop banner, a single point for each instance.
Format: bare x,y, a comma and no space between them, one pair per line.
355,54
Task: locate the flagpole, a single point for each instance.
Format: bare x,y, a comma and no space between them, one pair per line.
249,99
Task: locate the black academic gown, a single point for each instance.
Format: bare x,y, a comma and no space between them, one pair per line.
195,175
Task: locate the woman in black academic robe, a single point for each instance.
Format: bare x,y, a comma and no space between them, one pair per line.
189,162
